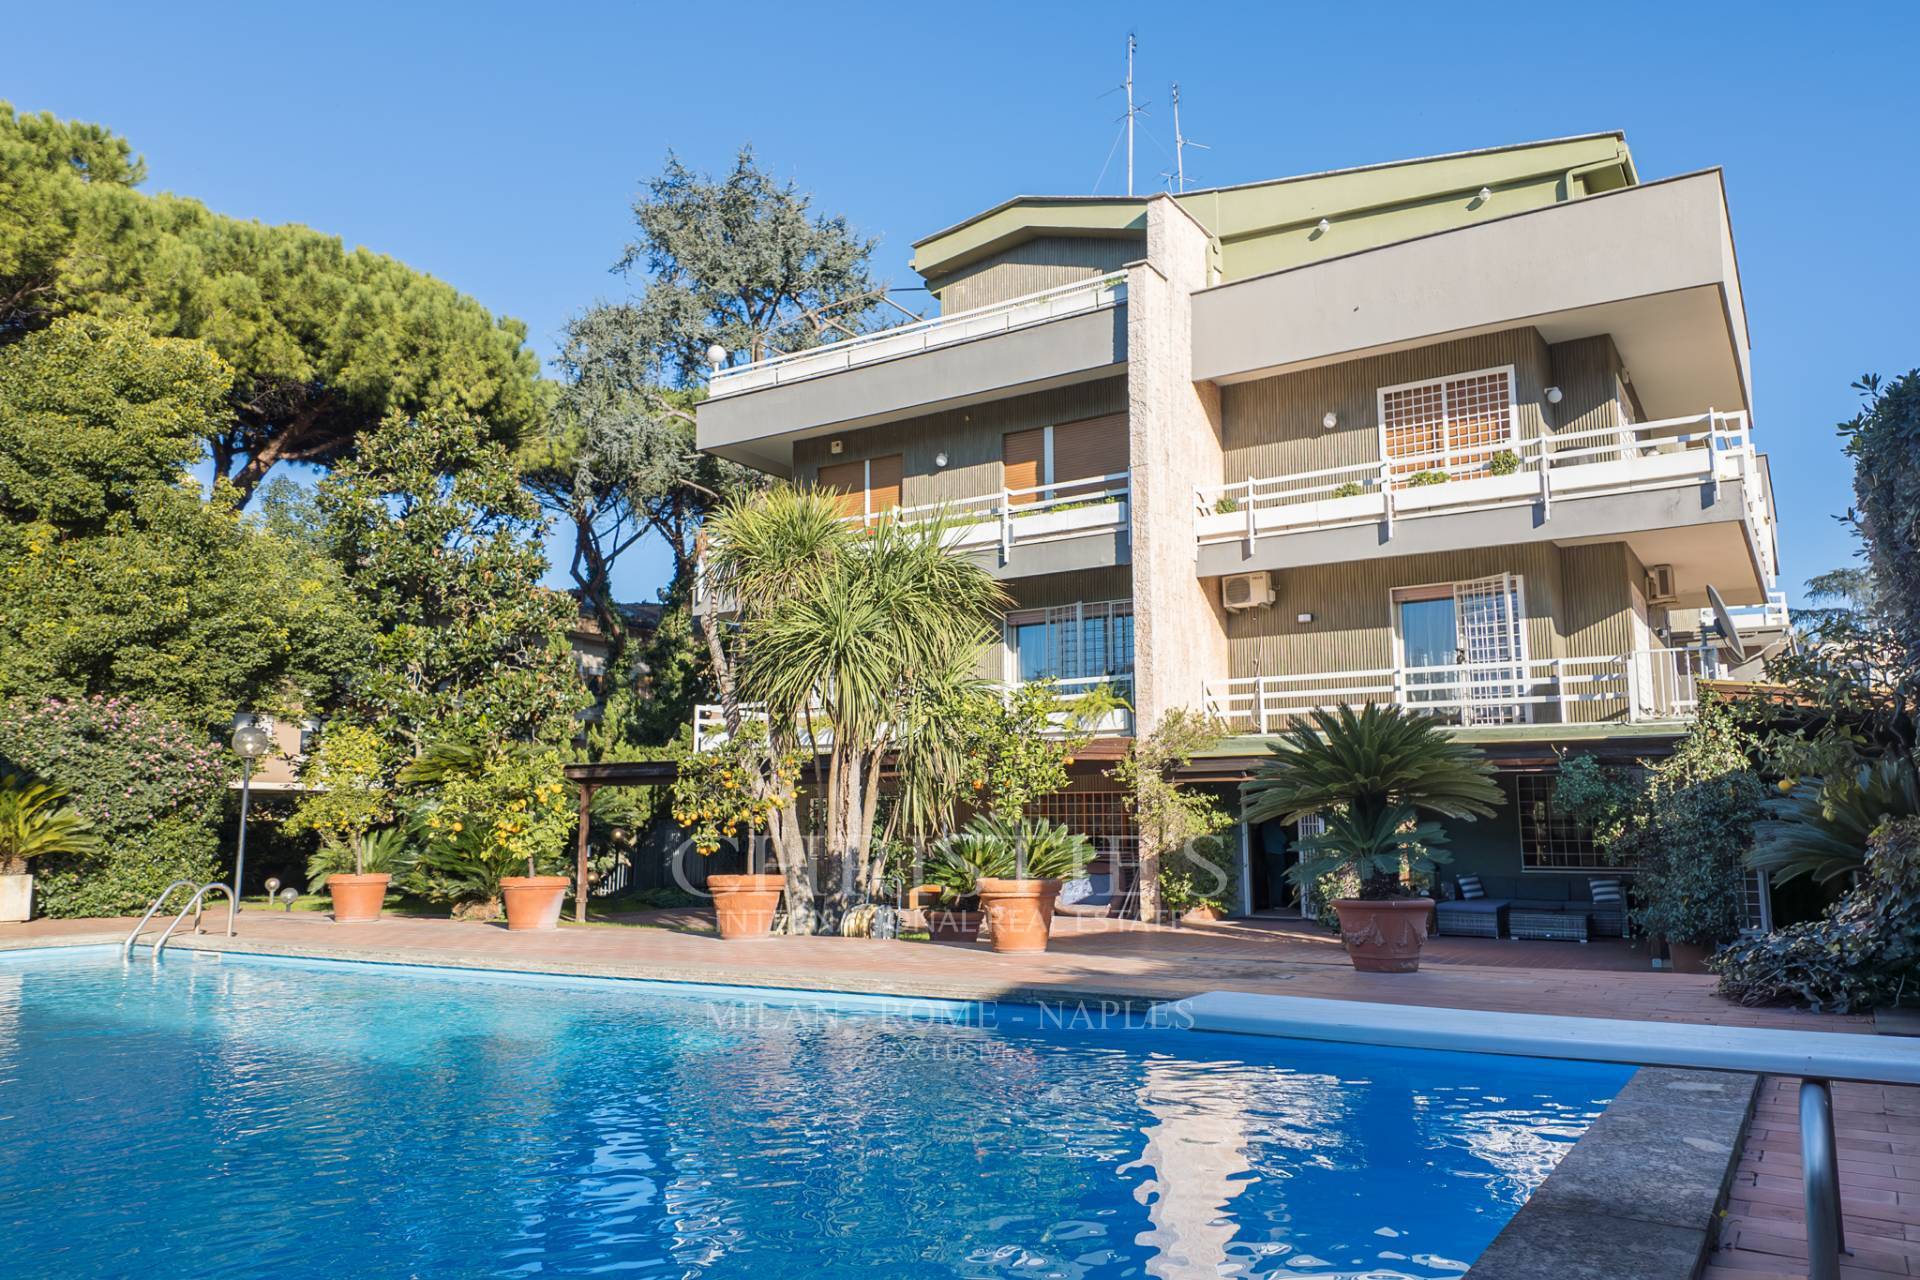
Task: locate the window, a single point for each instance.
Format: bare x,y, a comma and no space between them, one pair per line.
1462,648
1447,424
1101,816
1550,841
1085,642
867,488
1085,451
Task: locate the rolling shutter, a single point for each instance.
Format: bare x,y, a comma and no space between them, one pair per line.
849,480
883,482
1023,457
1089,450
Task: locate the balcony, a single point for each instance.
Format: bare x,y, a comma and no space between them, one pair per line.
924,335
710,725
1571,485
1008,519
755,412
1646,685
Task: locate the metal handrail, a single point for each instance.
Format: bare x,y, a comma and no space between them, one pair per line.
196,905
126,949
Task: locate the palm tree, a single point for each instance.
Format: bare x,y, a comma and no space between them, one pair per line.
1821,827
893,612
34,824
844,632
1372,775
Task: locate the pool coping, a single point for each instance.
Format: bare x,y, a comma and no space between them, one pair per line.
1097,1000
1661,1157
1642,1194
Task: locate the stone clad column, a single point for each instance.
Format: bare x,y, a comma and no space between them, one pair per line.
1180,639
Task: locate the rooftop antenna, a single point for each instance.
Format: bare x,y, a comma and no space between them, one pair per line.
1131,45
1181,142
1133,110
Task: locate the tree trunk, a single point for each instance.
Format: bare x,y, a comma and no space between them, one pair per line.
783,826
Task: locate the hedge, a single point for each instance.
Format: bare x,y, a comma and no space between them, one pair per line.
153,789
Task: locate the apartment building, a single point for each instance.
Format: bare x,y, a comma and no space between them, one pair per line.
1470,433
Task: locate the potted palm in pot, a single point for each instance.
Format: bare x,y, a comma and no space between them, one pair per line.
1376,776
34,824
356,870
1018,866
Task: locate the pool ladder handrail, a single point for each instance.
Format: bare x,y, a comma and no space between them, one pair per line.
195,904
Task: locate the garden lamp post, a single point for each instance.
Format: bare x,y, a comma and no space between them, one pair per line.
250,742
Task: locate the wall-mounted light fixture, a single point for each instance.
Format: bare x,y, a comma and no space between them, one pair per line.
1486,194
1330,420
1303,618
1324,226
835,446
1554,395
940,459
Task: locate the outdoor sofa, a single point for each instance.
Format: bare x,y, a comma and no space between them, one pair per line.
1538,906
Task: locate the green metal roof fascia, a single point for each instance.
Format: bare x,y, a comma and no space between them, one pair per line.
1123,212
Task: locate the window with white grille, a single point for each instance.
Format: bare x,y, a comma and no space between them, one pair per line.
1454,424
1549,839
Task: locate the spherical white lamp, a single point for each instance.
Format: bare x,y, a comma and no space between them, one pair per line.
716,356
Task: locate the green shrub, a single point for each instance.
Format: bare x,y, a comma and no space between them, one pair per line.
1351,489
1421,478
1225,506
1688,834
1503,463
1865,952
152,789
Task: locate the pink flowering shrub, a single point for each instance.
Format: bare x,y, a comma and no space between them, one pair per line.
153,788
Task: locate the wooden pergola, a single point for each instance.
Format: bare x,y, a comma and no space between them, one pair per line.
590,778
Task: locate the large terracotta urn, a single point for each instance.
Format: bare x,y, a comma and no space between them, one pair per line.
1384,935
358,898
533,902
1018,912
743,906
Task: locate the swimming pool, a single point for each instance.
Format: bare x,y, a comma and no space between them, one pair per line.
251,1116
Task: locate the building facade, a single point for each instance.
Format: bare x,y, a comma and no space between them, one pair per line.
1471,434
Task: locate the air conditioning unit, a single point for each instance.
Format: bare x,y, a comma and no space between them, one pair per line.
1660,589
1246,590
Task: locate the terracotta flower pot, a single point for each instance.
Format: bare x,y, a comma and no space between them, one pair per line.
743,906
357,899
533,902
1688,957
950,924
1017,912
1384,936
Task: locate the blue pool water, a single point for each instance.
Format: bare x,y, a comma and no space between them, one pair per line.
257,1117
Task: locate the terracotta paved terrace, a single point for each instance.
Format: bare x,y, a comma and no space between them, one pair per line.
1763,1234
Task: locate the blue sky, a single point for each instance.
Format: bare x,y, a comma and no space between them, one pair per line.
498,147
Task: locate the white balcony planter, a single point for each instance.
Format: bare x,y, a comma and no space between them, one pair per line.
1069,521
16,899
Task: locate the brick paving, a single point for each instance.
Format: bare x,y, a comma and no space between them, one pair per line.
1763,1234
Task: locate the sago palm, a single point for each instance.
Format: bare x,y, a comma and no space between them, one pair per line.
1820,828
1375,775
35,824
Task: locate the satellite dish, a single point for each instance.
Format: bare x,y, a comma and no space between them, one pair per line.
1724,623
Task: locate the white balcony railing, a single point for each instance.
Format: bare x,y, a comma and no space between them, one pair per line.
1006,518
1710,447
922,335
710,724
1042,513
1646,684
